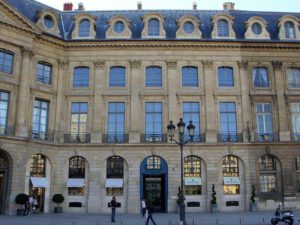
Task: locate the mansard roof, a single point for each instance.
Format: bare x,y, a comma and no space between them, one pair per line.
30,9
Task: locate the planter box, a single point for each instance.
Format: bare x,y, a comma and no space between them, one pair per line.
58,209
213,208
20,212
253,207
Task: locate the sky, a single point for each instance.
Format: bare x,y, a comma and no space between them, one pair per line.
252,5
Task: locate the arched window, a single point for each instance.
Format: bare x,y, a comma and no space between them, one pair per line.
189,76
230,169
153,27
192,175
84,28
77,167
81,77
223,30
38,166
289,29
268,174
114,176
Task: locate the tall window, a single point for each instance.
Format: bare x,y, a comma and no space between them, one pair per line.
191,112
38,166
115,170
289,29
153,119
264,121
228,125
81,77
297,161
84,28
225,77
6,61
40,120
230,167
295,111
153,76
293,77
116,122
192,175
268,177
4,99
79,120
260,77
189,76
223,30
44,72
76,170
117,76
153,27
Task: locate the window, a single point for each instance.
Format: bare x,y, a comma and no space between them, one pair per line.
293,77
153,163
268,178
289,29
153,27
260,77
38,166
228,125
153,76
190,76
188,27
4,100
117,76
223,30
191,112
230,167
256,28
297,160
153,119
115,170
84,28
81,77
6,61
76,170
79,117
295,111
116,122
119,27
264,121
40,120
48,21
225,77
44,73
192,169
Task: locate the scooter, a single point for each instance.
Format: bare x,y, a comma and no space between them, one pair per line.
285,216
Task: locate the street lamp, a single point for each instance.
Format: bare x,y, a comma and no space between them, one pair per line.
181,142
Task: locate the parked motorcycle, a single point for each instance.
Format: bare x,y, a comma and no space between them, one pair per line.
285,216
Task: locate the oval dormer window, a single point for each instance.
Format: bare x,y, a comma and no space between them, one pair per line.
48,21
188,27
256,28
119,27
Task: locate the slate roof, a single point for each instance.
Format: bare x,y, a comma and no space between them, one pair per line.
29,9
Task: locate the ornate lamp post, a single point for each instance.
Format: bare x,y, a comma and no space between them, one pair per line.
181,142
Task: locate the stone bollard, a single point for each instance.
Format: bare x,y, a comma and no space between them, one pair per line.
98,222
121,222
217,222
193,221
241,221
263,220
52,222
73,222
170,223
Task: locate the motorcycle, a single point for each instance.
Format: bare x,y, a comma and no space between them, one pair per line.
285,216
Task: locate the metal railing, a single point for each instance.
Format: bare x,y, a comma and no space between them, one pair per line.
196,138
8,131
230,137
115,138
41,136
266,137
295,136
77,138
153,138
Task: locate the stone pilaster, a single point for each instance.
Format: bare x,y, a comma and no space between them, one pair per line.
173,108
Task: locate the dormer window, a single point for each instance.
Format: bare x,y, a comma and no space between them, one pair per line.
84,28
289,29
48,21
188,27
223,28
119,27
153,27
256,28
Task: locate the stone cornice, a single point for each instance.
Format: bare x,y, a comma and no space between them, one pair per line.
277,65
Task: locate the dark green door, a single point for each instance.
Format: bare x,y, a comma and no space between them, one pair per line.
154,191
2,191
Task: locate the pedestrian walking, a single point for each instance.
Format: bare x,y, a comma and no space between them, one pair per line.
150,213
113,205
143,205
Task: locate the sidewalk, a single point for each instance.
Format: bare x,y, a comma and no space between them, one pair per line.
246,218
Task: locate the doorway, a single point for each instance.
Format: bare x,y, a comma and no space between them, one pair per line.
2,191
38,193
154,191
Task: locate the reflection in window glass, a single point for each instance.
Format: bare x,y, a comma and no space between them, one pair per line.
189,76
153,76
153,27
4,99
268,175
293,77
223,30
84,28
289,29
260,77
81,77
6,62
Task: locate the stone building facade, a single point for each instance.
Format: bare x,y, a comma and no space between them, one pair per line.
86,97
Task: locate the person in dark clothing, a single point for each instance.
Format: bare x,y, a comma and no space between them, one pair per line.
150,213
113,205
27,207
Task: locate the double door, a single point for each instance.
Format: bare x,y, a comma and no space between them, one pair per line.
154,191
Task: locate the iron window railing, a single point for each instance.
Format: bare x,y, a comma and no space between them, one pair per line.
196,138
153,138
295,136
266,137
115,138
43,136
77,138
230,137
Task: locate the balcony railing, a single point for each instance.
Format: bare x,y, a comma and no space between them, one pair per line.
230,137
7,131
266,137
42,136
153,138
295,136
196,138
115,138
77,138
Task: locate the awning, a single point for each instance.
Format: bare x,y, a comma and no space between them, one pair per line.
192,181
39,182
75,182
111,183
231,180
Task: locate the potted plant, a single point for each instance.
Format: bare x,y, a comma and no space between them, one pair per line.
21,200
253,204
213,205
58,199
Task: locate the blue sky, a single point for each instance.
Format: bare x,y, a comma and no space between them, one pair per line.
253,5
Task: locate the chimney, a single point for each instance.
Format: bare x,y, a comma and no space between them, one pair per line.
80,6
195,6
68,6
228,5
139,6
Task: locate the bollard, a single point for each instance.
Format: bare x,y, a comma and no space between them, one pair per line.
263,219
73,222
193,221
217,222
98,222
121,222
240,220
52,222
170,223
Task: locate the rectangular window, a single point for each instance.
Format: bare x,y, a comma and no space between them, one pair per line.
153,121
268,183
153,76
260,77
225,77
4,99
81,77
293,78
228,125
231,189
295,116
40,120
189,76
116,122
264,121
191,112
6,62
117,76
79,116
76,191
44,73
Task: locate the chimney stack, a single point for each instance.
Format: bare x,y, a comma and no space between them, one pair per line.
68,6
80,6
228,5
195,6
139,6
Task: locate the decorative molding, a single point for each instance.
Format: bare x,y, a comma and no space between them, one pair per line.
171,63
277,65
99,64
207,64
135,63
243,64
64,63
27,52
